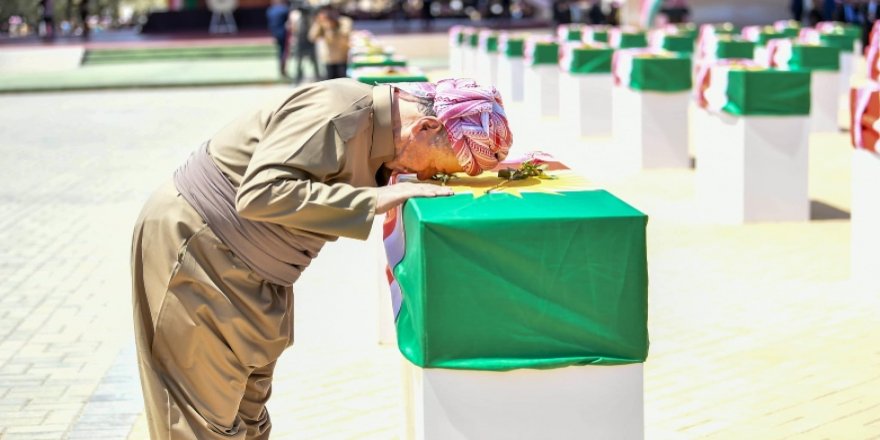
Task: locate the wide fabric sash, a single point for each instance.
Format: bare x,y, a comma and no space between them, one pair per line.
271,251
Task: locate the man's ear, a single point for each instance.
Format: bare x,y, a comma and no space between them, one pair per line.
429,123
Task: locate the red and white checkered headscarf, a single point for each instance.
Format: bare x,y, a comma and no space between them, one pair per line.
474,119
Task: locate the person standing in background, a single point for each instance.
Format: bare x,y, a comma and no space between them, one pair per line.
84,18
797,10
677,11
299,23
561,12
48,18
613,17
276,17
815,14
427,15
335,30
595,14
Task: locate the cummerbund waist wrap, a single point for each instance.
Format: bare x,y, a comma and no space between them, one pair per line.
271,251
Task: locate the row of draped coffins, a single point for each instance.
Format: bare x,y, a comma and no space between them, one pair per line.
372,62
520,305
742,101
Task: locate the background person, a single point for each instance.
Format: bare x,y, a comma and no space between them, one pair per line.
276,16
334,29
299,23
47,17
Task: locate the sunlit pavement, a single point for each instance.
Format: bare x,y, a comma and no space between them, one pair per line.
757,331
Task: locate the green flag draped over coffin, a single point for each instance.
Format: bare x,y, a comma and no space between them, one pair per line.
586,58
652,70
531,273
742,87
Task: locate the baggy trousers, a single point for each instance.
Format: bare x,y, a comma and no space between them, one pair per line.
208,330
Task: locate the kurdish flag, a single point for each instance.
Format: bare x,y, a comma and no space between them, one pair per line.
648,12
865,114
531,273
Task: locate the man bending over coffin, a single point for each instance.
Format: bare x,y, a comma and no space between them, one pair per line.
216,250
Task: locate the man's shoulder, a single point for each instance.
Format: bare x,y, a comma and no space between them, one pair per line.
339,94
323,100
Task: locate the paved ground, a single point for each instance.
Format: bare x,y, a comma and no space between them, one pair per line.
756,330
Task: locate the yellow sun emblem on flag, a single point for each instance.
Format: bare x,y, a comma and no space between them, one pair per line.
489,183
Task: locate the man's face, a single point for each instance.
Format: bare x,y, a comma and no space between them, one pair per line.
424,150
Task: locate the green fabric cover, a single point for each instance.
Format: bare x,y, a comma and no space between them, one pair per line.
573,34
474,39
851,30
491,44
543,281
590,60
661,74
374,79
633,40
376,61
459,37
678,43
790,32
735,49
768,92
764,37
545,53
686,30
814,58
600,36
514,47
841,41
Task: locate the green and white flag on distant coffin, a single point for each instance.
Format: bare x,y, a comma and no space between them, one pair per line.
652,70
741,87
788,54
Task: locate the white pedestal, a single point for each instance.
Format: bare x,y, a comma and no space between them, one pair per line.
386,332
847,66
469,63
752,168
585,103
541,92
650,129
824,97
590,402
865,217
456,60
511,75
487,68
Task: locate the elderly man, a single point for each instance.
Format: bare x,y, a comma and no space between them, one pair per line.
217,249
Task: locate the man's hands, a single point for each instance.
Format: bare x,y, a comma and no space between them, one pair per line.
392,195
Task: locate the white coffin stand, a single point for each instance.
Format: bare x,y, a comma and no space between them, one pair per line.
752,168
456,60
585,103
847,68
487,68
589,402
824,101
865,218
469,69
511,75
541,90
650,130
386,333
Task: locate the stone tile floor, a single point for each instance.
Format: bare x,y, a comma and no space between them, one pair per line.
757,331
